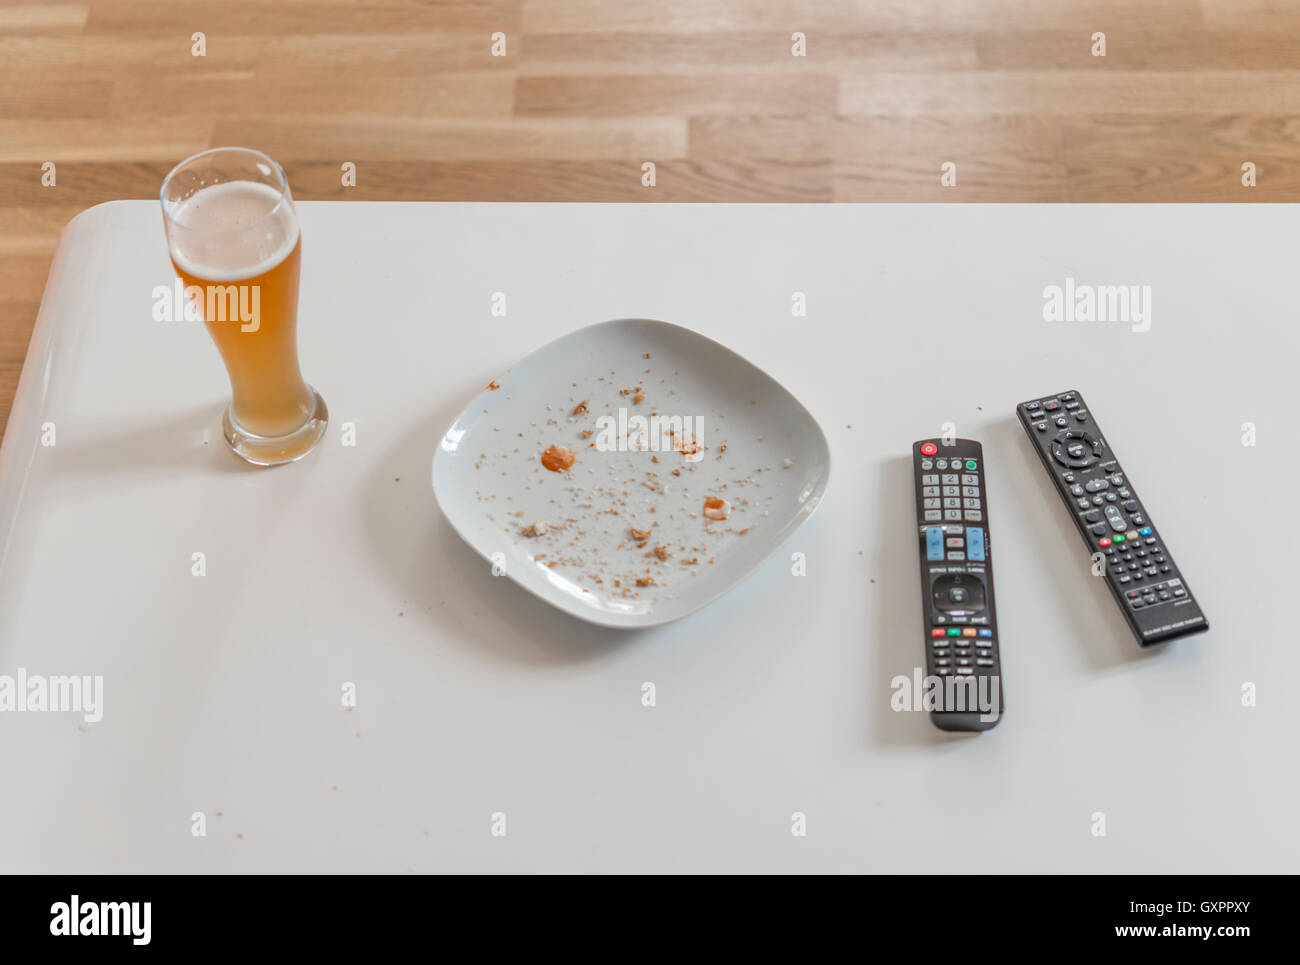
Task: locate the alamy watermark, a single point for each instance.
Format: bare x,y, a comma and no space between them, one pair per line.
653,433
962,694
210,303
24,692
1098,303
122,918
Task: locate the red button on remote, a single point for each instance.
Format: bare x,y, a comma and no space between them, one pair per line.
1103,542
936,633
929,449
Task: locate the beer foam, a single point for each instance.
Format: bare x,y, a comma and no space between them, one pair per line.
232,231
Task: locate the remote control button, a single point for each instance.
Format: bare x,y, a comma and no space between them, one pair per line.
975,544
1062,422
932,515
1099,529
1130,506
927,463
1117,478
930,480
1131,534
1034,405
954,632
1117,522
1096,485
1052,405
1180,593
930,503
984,662
1076,490
971,465
1092,516
941,464
929,490
937,632
1081,416
943,672
970,504
928,448
950,479
933,543
968,632
973,516
1040,426
1124,579
1146,531
1104,541
970,480
1139,519
986,633
957,556
952,514
970,492
954,542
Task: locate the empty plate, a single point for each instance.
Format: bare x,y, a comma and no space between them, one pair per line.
630,472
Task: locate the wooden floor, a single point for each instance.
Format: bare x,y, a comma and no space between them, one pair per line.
588,90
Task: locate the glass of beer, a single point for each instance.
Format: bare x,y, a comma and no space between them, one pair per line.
233,237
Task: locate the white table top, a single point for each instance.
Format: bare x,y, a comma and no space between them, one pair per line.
222,692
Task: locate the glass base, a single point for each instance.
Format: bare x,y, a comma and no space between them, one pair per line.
267,451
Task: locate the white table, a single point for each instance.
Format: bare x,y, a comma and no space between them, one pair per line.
222,691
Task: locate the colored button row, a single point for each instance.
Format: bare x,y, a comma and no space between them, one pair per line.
929,449
960,632
1121,537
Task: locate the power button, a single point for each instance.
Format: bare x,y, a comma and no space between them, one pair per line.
928,448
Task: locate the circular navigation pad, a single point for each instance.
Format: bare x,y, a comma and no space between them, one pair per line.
1076,448
959,593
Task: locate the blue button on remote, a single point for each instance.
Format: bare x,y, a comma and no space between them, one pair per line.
934,543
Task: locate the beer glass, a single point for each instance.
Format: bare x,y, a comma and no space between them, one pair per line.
232,234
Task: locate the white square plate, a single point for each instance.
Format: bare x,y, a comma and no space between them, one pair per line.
762,452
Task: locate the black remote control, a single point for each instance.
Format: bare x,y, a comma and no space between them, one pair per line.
1138,566
961,629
